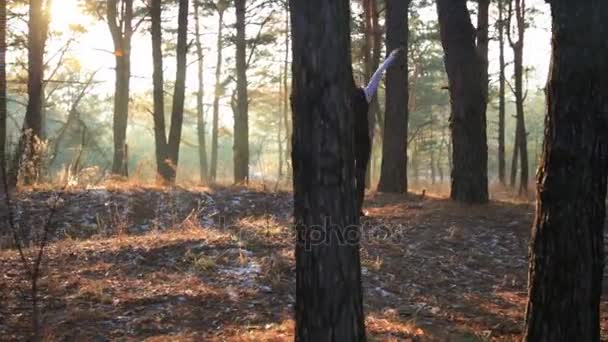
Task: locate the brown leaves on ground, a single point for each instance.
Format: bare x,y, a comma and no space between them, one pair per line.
217,265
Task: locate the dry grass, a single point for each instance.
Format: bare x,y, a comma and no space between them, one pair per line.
457,274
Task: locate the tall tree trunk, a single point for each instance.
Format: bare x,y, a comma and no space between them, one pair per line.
167,151
328,272
483,25
27,158
280,129
241,121
368,43
121,31
567,247
177,112
372,47
160,137
200,110
393,173
221,7
3,91
515,159
501,94
468,117
518,52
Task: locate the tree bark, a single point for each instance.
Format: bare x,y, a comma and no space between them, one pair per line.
518,56
328,271
177,112
567,248
27,159
501,94
160,137
372,48
122,32
200,110
241,120
468,117
483,25
393,173
221,7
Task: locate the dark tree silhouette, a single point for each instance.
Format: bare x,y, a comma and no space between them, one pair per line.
328,271
521,137
567,249
200,112
221,8
241,120
121,28
167,151
501,93
468,117
393,171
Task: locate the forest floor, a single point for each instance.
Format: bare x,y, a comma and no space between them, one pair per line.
217,264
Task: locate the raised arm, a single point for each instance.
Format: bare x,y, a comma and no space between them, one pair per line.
374,82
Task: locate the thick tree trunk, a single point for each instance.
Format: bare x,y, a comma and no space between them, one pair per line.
393,173
241,120
328,271
567,249
27,158
121,36
468,117
177,112
160,137
221,6
200,110
501,94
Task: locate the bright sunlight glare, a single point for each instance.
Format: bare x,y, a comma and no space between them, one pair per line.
65,13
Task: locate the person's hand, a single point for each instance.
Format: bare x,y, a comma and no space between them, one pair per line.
395,53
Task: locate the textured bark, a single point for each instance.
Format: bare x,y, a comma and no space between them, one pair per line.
328,273
200,110
122,32
567,249
501,94
241,120
468,117
221,7
26,159
393,172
